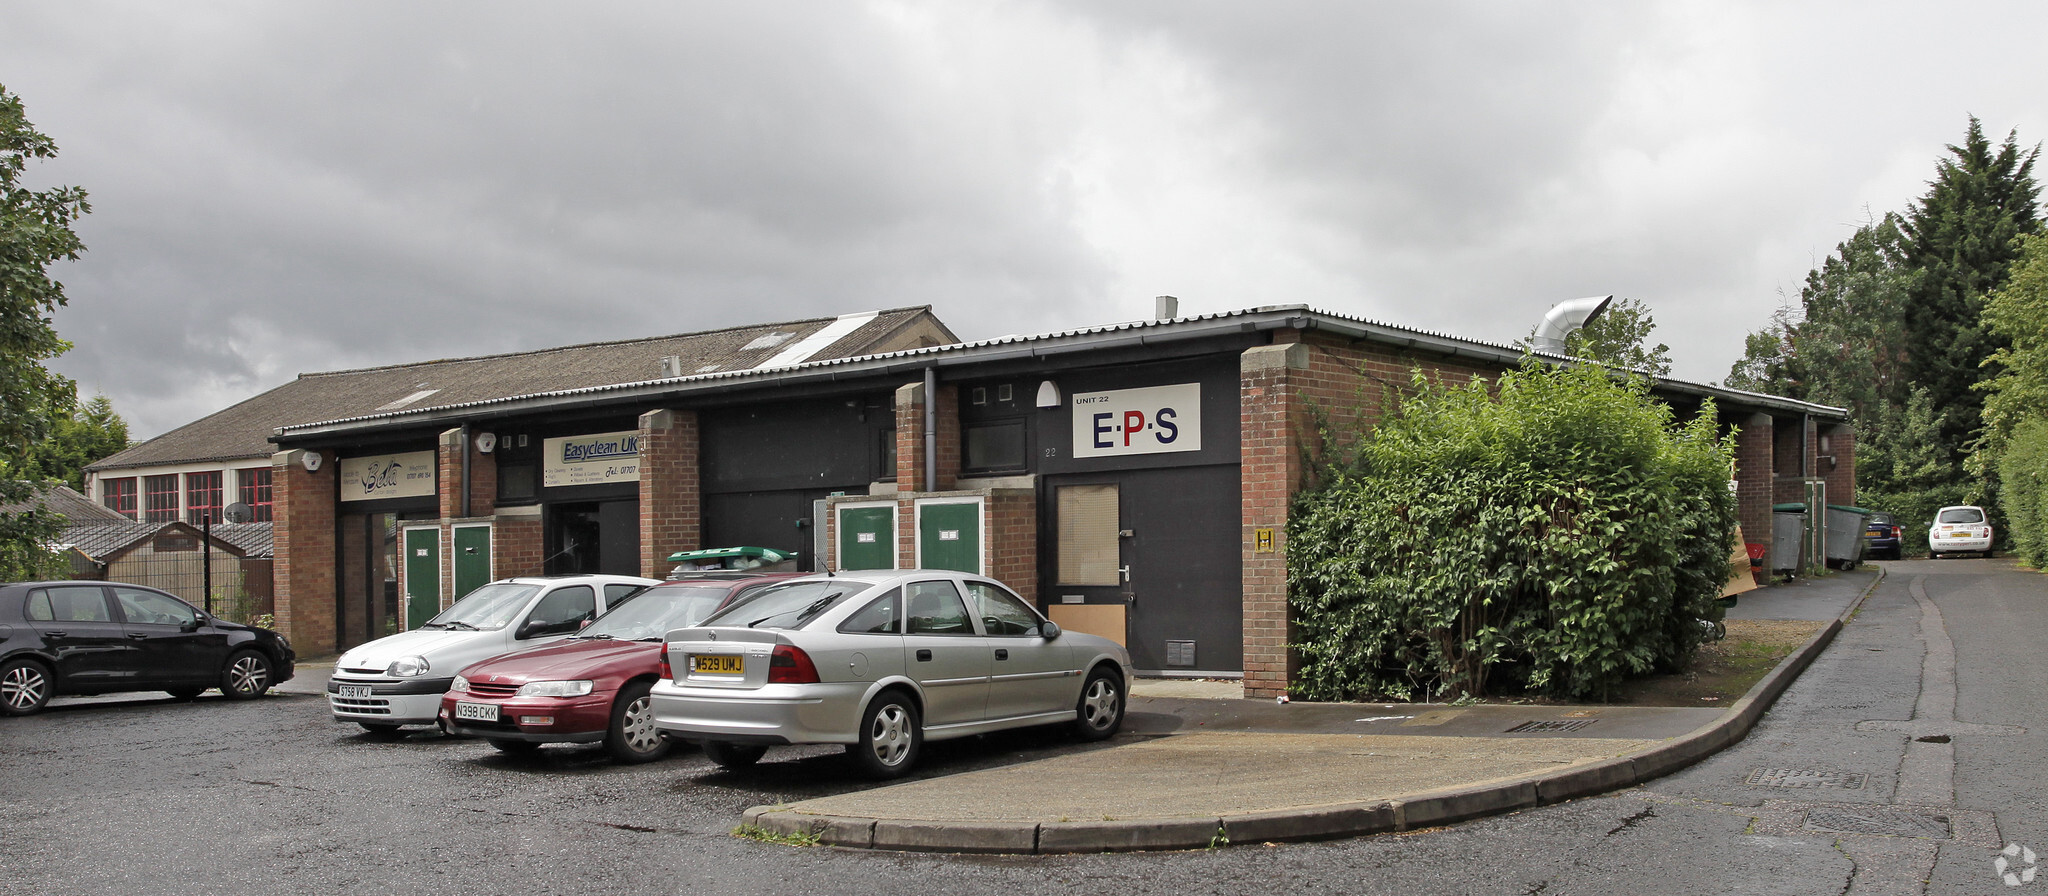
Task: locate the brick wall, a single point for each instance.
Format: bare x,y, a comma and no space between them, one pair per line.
910,473
1010,553
1840,471
516,545
671,503
1755,462
303,528
1285,391
483,477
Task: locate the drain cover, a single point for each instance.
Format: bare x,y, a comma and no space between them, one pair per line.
1551,725
1804,777
1878,820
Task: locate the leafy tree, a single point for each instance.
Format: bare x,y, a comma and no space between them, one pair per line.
1844,344
35,232
1620,337
2016,393
2023,490
1961,238
1902,465
91,432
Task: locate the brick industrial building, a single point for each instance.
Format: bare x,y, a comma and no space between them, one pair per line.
1133,479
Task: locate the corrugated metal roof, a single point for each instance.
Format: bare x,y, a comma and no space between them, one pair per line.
1267,317
242,431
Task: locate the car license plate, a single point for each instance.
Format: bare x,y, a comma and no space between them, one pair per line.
353,691
476,712
718,664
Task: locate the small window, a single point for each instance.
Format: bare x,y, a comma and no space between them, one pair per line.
202,497
119,495
564,609
1001,612
68,603
160,499
1962,515
994,447
882,616
150,608
255,492
935,609
886,452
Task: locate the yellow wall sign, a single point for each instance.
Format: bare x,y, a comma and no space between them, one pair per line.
1262,541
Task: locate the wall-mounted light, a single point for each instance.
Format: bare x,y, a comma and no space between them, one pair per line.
1048,394
310,460
486,441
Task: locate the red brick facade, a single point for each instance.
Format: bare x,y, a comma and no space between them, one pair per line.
910,471
303,533
671,502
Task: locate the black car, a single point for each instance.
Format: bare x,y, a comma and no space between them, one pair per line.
1881,537
85,638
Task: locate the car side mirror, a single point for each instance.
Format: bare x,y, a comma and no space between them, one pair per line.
530,628
1048,629
192,625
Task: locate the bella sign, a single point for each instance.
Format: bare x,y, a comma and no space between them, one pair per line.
1155,420
591,460
408,475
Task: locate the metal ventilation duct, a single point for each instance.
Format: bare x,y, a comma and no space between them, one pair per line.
1563,318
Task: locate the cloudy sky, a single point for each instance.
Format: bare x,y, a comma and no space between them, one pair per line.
288,187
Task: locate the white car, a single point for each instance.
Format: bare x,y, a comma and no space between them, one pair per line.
1959,529
882,661
399,680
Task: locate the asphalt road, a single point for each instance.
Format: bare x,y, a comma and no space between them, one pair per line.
140,795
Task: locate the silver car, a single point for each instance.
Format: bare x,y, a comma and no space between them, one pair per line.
881,661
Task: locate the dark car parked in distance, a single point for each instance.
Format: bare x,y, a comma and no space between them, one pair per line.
1881,537
83,638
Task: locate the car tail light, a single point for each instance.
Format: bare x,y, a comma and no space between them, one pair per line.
667,671
790,665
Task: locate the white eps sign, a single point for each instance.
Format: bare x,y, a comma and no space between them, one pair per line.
1154,420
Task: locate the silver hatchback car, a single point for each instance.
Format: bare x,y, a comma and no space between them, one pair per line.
881,661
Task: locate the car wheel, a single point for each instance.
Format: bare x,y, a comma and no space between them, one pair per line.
1101,710
515,747
184,693
24,687
727,754
890,736
1988,554
632,736
246,677
385,728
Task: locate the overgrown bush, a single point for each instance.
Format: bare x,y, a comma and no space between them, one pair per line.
2023,491
1556,534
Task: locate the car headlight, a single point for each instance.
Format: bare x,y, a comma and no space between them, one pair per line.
408,667
554,688
459,684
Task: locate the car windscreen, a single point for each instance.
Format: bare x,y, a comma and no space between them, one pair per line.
651,613
788,606
1961,515
491,607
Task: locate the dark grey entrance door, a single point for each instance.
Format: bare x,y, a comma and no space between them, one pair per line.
594,537
1170,555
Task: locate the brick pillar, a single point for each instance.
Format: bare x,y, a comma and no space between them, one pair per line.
1271,417
303,530
1012,548
910,438
671,504
1841,471
483,477
1755,475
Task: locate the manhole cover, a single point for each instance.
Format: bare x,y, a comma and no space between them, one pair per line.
1805,777
1551,725
1878,820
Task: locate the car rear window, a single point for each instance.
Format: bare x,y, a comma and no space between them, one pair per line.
1962,515
787,606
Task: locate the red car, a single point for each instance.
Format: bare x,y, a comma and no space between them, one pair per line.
592,687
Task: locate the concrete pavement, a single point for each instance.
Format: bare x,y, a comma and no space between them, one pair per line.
1199,766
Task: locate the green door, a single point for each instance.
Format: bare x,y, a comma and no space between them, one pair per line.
422,576
472,558
867,536
949,535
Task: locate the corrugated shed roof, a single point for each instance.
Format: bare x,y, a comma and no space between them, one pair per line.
101,540
65,500
242,431
1141,331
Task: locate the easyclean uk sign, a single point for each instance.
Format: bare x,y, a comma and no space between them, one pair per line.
591,460
1154,420
408,475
